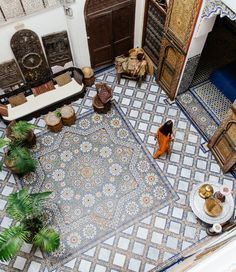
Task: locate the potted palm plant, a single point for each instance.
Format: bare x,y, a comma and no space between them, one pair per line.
28,209
22,131
17,157
19,160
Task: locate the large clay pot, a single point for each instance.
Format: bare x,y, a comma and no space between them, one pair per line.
30,139
10,164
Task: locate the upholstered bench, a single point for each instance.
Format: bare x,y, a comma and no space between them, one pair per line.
37,104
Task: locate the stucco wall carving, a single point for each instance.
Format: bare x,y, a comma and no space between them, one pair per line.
18,8
217,7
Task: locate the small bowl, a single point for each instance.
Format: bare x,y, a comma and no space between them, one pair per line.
206,191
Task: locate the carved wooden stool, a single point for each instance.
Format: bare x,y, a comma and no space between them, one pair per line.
53,122
68,115
99,107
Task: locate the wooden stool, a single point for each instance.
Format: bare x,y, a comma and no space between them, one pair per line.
89,78
53,122
68,115
99,107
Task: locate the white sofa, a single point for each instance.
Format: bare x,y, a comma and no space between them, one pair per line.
35,103
47,101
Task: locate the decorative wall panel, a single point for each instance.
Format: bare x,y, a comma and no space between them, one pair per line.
50,3
9,74
29,54
153,29
57,48
32,6
11,8
181,19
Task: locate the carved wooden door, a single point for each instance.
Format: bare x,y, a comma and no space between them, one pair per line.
123,28
110,29
153,29
170,67
57,48
223,142
29,54
180,22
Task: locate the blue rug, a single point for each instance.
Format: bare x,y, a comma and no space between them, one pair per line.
102,177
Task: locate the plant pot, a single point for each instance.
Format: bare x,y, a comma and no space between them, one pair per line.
34,225
11,165
30,139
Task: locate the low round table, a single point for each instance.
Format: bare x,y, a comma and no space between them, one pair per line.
53,122
197,205
68,115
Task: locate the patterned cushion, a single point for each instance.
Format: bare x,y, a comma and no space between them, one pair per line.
63,79
17,100
3,110
46,87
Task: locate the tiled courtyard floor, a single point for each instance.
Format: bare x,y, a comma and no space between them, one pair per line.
156,240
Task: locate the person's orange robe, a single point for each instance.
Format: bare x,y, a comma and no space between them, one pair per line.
164,144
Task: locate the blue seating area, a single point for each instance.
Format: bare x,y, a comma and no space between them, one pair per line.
224,79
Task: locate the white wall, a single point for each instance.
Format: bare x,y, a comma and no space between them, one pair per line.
54,20
139,18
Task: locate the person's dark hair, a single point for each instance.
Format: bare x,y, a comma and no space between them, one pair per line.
167,128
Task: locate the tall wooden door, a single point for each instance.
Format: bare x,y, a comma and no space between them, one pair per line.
100,39
153,28
180,23
110,29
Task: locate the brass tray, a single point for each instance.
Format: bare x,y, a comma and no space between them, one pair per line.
213,207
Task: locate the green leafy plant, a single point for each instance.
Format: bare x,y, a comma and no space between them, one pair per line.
57,113
21,129
28,210
18,158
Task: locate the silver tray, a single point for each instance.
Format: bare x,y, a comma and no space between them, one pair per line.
197,205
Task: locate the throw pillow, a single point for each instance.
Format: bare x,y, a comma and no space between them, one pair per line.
3,110
46,87
17,100
63,79
78,77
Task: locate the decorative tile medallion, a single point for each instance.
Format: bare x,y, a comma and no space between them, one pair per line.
101,177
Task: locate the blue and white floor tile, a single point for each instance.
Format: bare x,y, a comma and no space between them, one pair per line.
158,239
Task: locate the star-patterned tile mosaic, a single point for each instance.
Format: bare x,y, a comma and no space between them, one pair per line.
159,239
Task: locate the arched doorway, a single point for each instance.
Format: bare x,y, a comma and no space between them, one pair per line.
110,29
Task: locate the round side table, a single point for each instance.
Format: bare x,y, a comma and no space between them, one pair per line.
53,122
68,115
197,205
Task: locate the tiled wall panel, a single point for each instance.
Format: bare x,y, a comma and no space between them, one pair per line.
12,8
32,6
